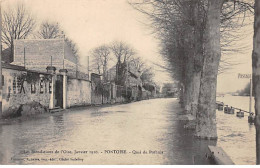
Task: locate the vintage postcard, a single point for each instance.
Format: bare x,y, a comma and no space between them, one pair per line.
129,82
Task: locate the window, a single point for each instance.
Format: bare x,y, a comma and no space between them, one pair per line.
41,87
19,85
14,85
33,88
45,86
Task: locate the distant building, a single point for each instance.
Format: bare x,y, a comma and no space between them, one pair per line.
130,80
132,77
37,54
170,89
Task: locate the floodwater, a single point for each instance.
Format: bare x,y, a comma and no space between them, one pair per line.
236,135
145,132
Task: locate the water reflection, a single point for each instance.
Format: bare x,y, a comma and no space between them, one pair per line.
152,125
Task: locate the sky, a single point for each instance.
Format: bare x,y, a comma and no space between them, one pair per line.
91,23
229,81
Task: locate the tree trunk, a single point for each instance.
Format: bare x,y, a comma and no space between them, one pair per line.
198,53
206,115
195,92
256,76
188,84
189,66
181,93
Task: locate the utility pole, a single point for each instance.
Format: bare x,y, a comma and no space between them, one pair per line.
24,57
126,77
88,67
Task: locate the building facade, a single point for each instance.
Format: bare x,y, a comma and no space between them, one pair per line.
37,54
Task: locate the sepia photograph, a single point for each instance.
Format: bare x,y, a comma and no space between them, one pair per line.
130,82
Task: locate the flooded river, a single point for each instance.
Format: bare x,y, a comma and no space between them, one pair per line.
145,132
235,134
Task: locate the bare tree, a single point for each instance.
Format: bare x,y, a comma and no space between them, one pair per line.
17,24
96,65
140,66
52,30
190,31
122,51
49,30
137,63
101,56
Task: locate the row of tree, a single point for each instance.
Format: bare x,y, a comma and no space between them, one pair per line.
18,23
192,34
122,56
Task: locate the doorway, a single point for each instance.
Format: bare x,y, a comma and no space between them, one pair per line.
59,91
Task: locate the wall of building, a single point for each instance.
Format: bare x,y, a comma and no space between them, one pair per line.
37,54
18,92
78,92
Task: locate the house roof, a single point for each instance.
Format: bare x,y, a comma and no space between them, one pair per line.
131,70
14,67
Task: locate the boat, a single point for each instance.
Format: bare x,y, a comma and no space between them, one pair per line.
240,114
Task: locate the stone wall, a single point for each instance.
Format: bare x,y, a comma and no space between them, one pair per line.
96,93
21,87
78,92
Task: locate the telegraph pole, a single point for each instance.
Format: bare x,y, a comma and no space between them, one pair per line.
88,68
24,57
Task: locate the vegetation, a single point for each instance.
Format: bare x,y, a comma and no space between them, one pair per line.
192,33
123,57
52,30
17,23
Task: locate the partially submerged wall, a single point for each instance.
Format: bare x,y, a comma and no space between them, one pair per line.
78,92
21,87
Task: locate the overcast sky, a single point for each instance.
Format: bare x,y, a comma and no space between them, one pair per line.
94,22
